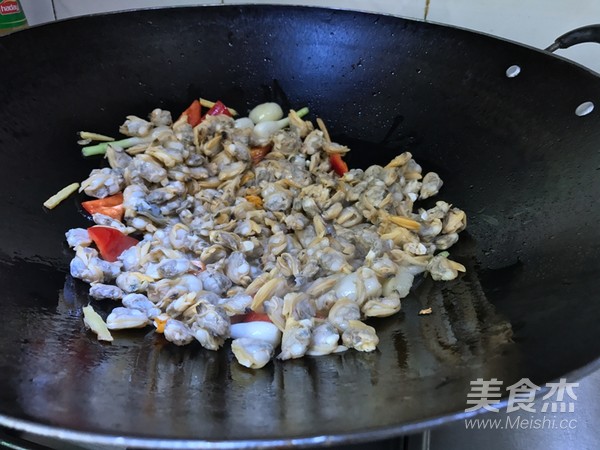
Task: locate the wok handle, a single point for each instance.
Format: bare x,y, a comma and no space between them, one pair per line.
589,33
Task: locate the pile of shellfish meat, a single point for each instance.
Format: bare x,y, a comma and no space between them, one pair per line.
223,234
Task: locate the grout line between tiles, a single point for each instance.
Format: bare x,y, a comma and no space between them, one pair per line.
54,10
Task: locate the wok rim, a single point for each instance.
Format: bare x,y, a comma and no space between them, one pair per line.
357,437
322,8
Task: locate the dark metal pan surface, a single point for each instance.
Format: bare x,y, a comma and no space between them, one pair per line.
511,151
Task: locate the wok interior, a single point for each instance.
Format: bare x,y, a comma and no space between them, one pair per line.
511,152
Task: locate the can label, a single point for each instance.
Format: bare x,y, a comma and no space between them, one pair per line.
11,14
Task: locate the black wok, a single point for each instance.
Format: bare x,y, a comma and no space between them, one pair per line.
511,151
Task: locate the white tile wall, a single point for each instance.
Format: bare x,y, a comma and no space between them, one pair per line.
533,22
70,8
38,11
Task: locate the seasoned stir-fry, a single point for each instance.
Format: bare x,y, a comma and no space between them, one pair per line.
210,228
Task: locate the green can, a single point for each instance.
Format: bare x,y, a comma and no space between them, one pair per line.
11,16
